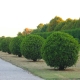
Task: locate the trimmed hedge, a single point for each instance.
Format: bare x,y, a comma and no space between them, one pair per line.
5,45
75,33
1,39
15,46
31,47
60,50
43,34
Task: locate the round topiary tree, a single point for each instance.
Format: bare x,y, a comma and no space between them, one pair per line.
5,45
1,39
60,50
31,47
15,46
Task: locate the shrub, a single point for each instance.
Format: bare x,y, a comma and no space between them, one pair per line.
1,39
75,33
43,34
5,45
60,50
31,47
15,46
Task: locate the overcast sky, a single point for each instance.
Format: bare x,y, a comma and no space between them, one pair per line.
16,15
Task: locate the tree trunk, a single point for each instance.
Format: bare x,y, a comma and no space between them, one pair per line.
19,55
9,52
61,67
34,60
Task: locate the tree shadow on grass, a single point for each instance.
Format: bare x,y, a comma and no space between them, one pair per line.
29,60
53,69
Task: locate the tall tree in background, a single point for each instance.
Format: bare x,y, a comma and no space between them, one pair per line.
54,22
19,34
68,24
26,31
59,26
40,26
77,23
44,28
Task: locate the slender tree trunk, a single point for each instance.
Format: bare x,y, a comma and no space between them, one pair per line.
61,67
34,60
19,55
9,52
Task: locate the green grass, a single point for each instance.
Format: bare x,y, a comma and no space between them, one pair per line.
41,69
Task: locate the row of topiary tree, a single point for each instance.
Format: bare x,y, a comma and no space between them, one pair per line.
29,46
60,50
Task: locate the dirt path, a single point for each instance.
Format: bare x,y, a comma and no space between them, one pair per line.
12,72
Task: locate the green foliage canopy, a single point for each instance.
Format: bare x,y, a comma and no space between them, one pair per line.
60,50
1,39
31,47
5,45
53,23
15,46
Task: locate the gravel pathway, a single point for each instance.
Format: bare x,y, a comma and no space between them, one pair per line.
12,72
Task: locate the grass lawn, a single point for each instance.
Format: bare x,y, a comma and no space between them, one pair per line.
41,69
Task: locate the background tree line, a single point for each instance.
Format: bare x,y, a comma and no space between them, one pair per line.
71,26
55,24
58,24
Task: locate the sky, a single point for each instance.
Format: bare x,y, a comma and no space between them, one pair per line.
16,15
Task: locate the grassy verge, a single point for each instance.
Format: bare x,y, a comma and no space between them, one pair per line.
41,69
